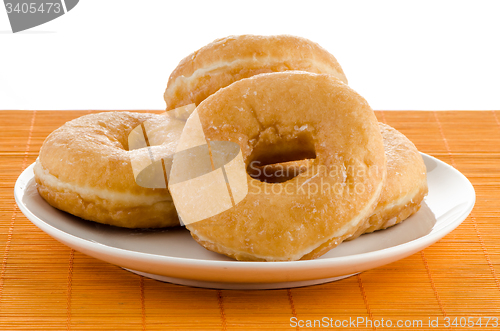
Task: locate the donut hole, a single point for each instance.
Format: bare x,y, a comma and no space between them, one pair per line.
282,160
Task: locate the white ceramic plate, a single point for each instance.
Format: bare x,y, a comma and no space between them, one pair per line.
172,255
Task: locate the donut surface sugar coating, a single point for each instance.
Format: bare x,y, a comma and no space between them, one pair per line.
273,117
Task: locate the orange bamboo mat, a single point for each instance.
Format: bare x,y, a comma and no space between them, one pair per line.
45,285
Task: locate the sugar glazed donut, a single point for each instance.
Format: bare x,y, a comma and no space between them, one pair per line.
274,116
405,186
84,168
229,59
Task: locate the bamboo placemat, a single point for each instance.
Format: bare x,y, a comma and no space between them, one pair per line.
45,285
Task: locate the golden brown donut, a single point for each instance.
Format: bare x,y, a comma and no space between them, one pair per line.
229,59
405,186
84,168
297,113
221,76
404,189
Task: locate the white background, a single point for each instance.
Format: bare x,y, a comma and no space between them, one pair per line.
118,54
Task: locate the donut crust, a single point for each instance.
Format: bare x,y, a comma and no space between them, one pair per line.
405,186
265,110
84,168
230,59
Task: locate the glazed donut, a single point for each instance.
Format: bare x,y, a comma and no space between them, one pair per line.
229,59
84,168
401,197
405,186
273,116
404,189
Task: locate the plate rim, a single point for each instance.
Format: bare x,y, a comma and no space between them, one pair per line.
400,250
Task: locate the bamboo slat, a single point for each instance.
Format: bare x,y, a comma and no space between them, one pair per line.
45,285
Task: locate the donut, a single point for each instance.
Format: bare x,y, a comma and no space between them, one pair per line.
229,59
404,189
276,116
84,168
405,186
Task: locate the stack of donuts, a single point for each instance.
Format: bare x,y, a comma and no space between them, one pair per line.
320,168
